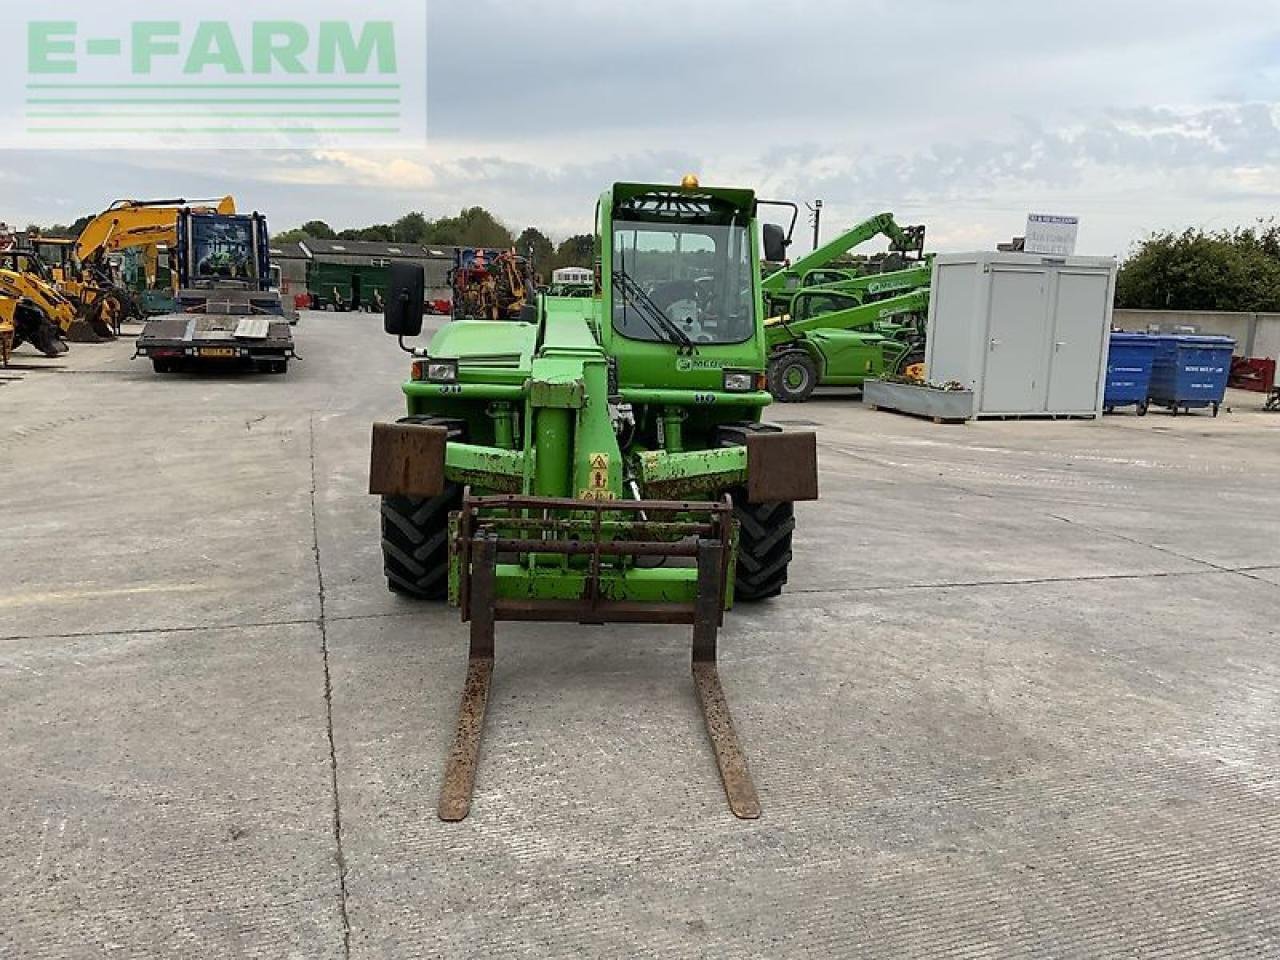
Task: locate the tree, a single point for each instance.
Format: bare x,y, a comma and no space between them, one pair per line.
535,245
578,251
472,227
311,230
318,229
1235,270
381,233
411,228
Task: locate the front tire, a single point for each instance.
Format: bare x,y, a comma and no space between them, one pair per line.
764,547
415,533
764,530
793,376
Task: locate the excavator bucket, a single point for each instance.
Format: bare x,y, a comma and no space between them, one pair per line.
82,330
639,561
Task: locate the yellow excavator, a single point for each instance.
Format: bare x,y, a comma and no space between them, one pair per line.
8,309
139,223
128,224
24,278
23,321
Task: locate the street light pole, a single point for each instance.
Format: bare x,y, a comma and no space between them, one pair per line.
815,217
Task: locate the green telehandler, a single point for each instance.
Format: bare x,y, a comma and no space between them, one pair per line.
822,266
600,459
832,325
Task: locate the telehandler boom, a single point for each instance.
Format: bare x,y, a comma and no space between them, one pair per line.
781,285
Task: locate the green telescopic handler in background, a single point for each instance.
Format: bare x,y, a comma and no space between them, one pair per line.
832,324
600,459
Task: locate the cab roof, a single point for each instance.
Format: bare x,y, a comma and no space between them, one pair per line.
661,201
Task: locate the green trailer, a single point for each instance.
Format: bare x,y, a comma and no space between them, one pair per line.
346,286
601,459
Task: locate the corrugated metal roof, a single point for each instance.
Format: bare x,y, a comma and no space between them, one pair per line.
369,248
289,251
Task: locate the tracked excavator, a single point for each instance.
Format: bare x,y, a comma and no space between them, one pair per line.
145,225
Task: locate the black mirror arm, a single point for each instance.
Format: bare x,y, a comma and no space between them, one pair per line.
795,213
404,301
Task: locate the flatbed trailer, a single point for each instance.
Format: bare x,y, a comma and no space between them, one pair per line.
226,312
178,342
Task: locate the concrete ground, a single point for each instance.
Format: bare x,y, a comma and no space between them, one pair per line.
1020,701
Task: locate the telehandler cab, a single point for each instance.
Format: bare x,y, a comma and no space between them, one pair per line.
602,460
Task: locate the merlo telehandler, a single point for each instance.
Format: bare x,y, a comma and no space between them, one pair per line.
601,459
831,324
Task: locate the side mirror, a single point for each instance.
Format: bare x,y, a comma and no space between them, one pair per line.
775,242
406,295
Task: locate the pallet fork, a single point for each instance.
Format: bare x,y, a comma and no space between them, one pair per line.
614,530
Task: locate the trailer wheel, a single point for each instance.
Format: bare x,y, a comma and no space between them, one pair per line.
792,376
415,533
764,530
161,365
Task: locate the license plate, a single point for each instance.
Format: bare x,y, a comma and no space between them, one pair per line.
217,351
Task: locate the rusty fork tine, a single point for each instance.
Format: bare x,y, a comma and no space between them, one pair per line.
460,767
478,552
739,789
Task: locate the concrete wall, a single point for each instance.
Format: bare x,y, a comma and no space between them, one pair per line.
1255,334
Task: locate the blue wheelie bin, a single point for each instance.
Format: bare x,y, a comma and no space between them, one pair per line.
1129,364
1191,371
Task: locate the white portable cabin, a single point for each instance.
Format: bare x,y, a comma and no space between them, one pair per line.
573,276
1027,333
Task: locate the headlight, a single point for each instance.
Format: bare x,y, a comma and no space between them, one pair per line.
442,371
739,382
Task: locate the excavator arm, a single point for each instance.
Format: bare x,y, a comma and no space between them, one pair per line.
138,223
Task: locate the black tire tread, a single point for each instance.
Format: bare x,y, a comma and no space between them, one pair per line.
415,533
777,379
764,531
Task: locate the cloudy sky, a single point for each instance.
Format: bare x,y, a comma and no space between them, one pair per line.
961,114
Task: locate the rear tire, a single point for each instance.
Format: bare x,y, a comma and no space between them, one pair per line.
793,376
415,533
764,530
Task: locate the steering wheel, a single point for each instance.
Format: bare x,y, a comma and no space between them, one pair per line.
665,294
